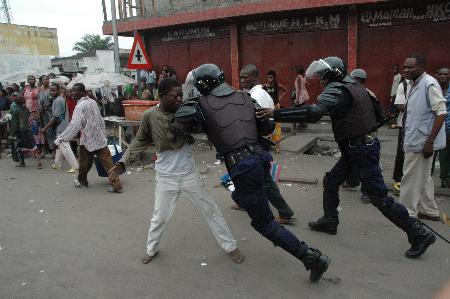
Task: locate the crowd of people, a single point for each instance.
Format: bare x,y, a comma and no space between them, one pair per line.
36,112
242,125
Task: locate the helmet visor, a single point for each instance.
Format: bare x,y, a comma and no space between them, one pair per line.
317,68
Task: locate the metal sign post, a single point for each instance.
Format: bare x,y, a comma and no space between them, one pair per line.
138,59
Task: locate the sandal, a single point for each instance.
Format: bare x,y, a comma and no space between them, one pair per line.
147,258
286,221
237,208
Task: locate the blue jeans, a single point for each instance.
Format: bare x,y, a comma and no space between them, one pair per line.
248,177
363,162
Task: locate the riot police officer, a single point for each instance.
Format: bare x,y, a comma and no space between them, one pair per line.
354,124
228,118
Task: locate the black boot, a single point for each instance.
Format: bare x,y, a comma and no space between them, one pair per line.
420,238
325,224
316,262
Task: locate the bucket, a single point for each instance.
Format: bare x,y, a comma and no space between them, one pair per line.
134,109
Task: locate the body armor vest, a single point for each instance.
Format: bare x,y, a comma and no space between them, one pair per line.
230,121
360,119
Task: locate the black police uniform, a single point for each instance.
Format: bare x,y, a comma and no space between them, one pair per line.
228,118
354,124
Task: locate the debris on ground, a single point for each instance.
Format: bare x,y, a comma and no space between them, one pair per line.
298,180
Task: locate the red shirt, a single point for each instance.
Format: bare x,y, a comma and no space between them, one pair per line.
71,103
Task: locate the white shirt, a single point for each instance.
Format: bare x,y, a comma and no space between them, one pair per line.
395,82
261,96
175,162
400,99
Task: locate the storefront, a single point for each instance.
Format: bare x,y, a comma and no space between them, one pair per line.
372,35
388,33
284,42
185,48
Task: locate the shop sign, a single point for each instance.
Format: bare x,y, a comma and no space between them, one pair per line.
420,13
301,23
194,33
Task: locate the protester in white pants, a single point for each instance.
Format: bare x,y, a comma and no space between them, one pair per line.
65,151
176,172
167,192
59,122
423,135
417,192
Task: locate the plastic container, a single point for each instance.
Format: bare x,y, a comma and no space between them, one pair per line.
134,109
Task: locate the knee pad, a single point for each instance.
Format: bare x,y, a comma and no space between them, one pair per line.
283,238
270,230
388,205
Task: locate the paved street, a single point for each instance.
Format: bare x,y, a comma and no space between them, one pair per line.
57,241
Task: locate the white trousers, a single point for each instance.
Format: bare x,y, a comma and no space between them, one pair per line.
64,150
167,192
417,186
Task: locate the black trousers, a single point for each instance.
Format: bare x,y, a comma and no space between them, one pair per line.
275,198
363,161
399,157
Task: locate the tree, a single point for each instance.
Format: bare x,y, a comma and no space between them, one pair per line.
92,42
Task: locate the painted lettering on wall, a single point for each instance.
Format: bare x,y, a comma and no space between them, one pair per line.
323,22
433,12
188,34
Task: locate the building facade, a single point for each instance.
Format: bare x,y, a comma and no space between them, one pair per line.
26,47
95,61
280,34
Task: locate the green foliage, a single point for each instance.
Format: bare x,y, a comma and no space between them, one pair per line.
92,42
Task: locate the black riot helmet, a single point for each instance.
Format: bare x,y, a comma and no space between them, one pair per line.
332,68
209,79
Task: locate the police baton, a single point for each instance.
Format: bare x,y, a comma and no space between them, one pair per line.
385,121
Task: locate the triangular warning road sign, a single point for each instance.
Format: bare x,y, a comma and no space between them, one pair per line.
138,56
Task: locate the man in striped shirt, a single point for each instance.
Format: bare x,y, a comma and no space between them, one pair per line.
93,141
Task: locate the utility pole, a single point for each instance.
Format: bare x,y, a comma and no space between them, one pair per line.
138,76
5,12
116,39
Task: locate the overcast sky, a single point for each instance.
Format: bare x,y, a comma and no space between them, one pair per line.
72,18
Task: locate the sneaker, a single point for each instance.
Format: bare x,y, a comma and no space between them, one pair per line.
325,224
237,256
20,164
39,165
396,188
56,167
72,170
